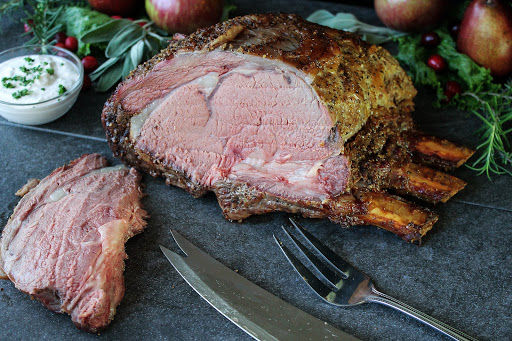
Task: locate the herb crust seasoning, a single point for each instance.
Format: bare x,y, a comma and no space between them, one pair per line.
35,78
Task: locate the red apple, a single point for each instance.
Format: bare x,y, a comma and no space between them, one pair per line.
184,16
115,7
410,15
486,35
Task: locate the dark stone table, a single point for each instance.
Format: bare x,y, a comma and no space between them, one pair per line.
460,274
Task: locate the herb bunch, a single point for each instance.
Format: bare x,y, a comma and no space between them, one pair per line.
41,16
129,44
43,20
496,116
480,95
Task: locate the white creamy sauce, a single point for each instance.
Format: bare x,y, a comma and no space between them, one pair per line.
36,78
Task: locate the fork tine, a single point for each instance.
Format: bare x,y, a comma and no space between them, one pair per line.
317,285
326,271
327,255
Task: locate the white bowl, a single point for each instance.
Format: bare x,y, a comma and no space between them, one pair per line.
48,110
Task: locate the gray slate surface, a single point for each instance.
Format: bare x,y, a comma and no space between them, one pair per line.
460,275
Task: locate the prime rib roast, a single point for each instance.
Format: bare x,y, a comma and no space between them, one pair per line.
274,113
64,243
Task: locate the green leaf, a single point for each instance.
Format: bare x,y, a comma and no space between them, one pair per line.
123,40
136,53
227,10
79,20
103,67
414,58
109,78
152,46
105,32
349,22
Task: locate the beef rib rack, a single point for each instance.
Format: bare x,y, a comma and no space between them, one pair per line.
274,113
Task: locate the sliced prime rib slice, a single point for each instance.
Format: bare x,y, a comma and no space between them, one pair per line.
64,243
272,112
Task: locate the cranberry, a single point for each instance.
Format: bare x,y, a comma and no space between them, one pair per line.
90,64
60,37
142,23
87,83
71,44
437,63
116,17
451,89
430,39
27,27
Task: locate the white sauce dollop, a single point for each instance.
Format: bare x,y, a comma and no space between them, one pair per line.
36,78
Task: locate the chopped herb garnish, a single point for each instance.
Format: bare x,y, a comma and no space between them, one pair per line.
7,84
29,60
23,80
43,89
50,71
21,93
62,89
25,69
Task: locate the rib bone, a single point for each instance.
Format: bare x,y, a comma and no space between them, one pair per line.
424,182
439,153
386,211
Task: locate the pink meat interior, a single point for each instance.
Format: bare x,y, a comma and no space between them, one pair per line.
222,115
65,242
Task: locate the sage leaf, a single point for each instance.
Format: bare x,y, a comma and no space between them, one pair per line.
349,22
127,66
136,53
105,32
123,40
109,78
102,68
153,46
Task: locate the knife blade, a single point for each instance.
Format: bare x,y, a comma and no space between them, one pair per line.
259,313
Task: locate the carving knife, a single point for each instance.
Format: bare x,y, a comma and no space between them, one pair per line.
256,311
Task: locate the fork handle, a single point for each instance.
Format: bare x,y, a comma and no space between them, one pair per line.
379,297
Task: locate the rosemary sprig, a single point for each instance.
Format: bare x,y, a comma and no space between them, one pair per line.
495,153
42,19
41,15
